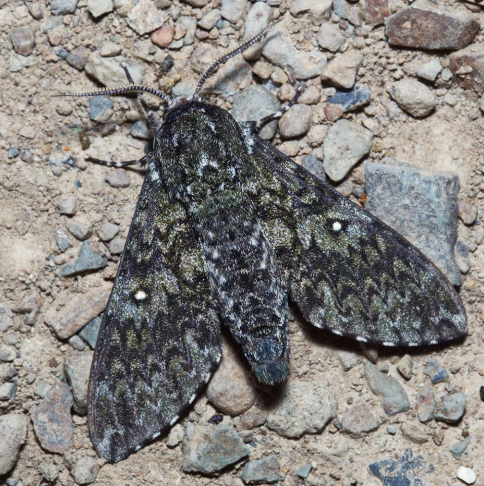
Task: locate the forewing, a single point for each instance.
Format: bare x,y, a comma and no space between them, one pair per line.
160,338
347,271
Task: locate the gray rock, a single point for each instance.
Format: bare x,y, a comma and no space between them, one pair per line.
63,7
108,231
348,359
144,17
458,448
23,40
345,144
341,8
341,71
52,420
50,472
67,204
280,51
414,433
7,372
108,70
7,354
451,408
425,404
6,320
99,7
230,389
413,97
303,471
197,3
405,366
314,165
77,368
207,450
118,178
85,470
175,436
110,49
310,96
78,57
62,240
90,332
359,419
467,66
426,25
35,9
140,129
116,245
329,37
429,70
468,212
421,205
233,10
7,391
303,408
209,20
13,152
296,121
100,108
318,10
257,20
351,100
80,228
393,397
77,343
13,431
262,471
254,103
86,261
435,372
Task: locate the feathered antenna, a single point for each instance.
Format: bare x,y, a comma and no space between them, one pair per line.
230,55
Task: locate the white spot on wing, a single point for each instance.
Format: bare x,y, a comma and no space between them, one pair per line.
337,226
174,419
192,398
140,295
137,448
155,436
361,339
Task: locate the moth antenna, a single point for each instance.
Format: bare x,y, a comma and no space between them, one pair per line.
230,55
132,88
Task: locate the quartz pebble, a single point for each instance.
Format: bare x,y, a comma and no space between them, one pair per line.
13,430
467,475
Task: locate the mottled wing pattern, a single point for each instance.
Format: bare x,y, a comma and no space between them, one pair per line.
346,270
160,338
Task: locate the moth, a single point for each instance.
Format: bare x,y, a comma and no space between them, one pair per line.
226,230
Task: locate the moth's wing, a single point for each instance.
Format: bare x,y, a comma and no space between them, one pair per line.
160,339
347,271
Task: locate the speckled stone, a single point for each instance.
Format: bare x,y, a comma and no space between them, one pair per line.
13,431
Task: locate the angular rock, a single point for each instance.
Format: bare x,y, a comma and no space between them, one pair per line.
116,245
233,10
425,404
87,260
318,10
458,448
414,433
108,70
426,25
341,71
429,70
63,7
376,11
118,179
144,17
79,311
262,471
7,391
110,49
296,121
421,205
467,65
108,231
78,57
85,470
451,408
13,431
393,397
52,420
345,145
90,332
359,419
314,165
351,100
23,40
257,20
175,436
207,450
303,409
405,366
98,8
100,108
209,20
303,471
413,97
67,204
140,129
230,390
80,228
77,368
330,37
435,372
467,213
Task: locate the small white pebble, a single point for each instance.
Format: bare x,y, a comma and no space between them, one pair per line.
467,475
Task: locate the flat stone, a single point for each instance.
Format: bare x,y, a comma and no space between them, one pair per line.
429,70
63,7
13,431
100,109
23,40
110,49
296,121
78,57
197,3
250,419
98,8
85,470
262,471
87,260
318,10
233,10
419,204
329,37
376,11
78,312
209,20
80,228
7,391
426,25
108,70
413,97
345,145
302,409
90,332
458,448
52,420
67,204
393,397
140,129
467,66
341,71
310,96
303,471
144,17
451,408
257,20
314,165
351,100
207,450
359,420
163,36
7,354
414,433
108,231
118,178
77,368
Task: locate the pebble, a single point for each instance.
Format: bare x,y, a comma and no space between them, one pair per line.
296,121
257,20
85,470
23,40
458,448
341,71
87,260
163,36
467,66
80,228
346,144
52,420
265,470
63,107
329,37
254,103
77,368
429,70
108,231
209,449
78,57
197,3
50,472
62,240
348,359
310,96
467,213
67,204
351,100
376,11
144,17
7,354
425,25
63,7
77,343
425,404
318,10
118,178
175,436
405,366
100,108
303,471
116,245
13,431
303,408
393,397
420,204
90,332
314,165
99,7
210,19
13,152
451,408
140,129
108,70
35,9
249,420
435,372
466,474
110,49
230,390
233,10
413,97
415,433
359,419
7,372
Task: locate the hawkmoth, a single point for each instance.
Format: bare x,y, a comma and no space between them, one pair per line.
227,229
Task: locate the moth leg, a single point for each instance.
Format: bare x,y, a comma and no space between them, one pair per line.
142,162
